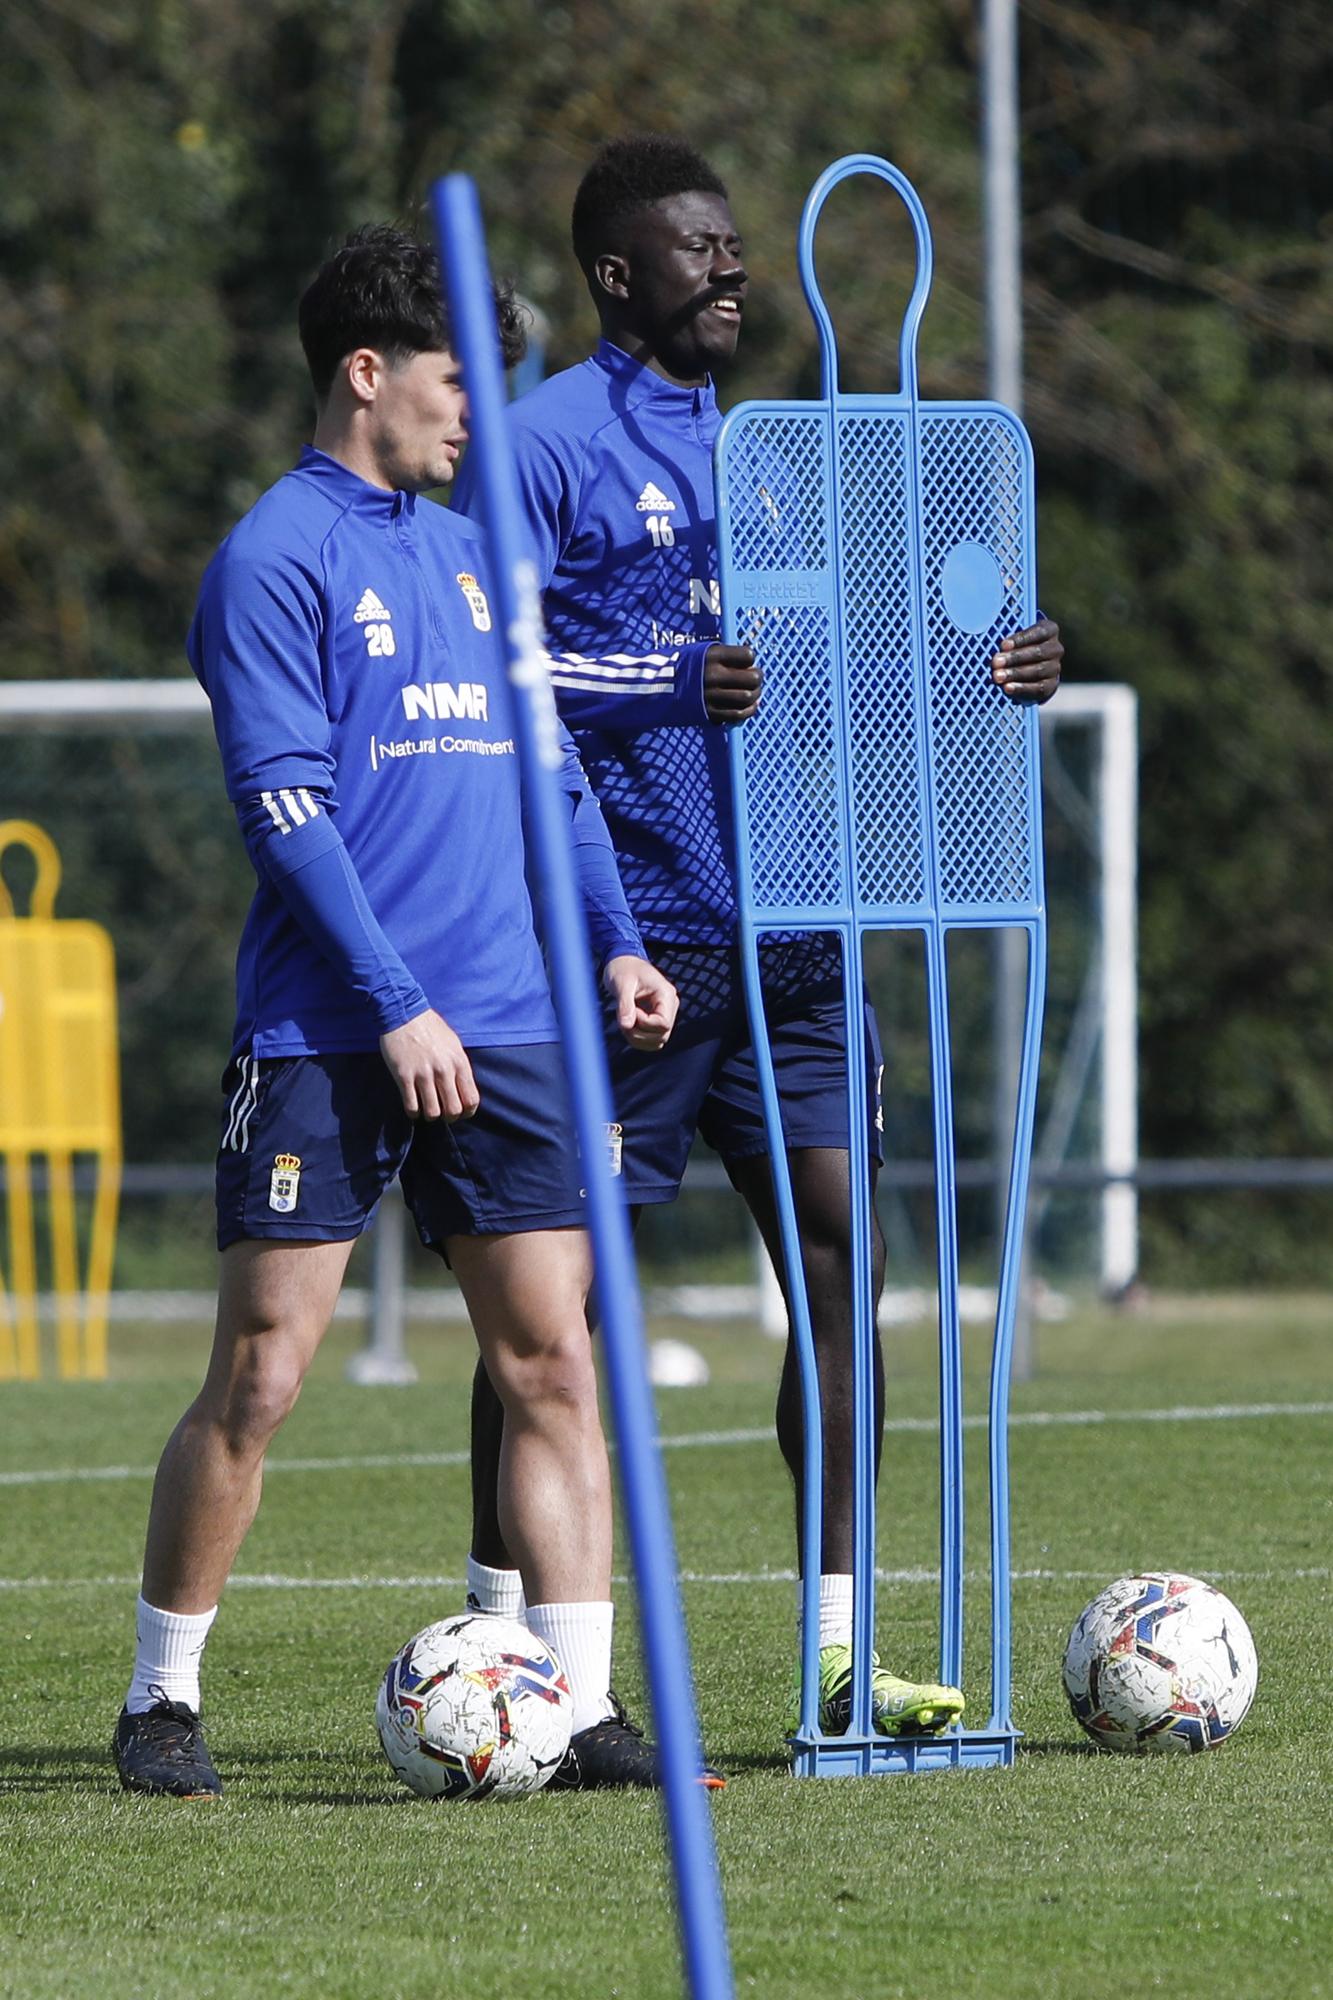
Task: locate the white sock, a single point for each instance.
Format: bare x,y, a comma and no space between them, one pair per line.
171,1645
580,1637
835,1610
496,1593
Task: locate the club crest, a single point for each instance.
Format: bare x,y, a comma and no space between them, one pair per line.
284,1183
476,600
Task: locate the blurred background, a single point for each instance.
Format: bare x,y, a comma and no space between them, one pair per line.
175,171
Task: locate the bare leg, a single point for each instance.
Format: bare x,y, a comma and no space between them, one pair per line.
488,1543
820,1187
525,1294
274,1302
488,1422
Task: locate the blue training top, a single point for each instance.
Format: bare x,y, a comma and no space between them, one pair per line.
616,472
344,637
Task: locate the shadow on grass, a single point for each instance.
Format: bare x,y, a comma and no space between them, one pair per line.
753,1760
272,1776
44,1767
292,1777
1060,1747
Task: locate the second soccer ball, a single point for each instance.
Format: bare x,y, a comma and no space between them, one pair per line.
474,1708
1160,1663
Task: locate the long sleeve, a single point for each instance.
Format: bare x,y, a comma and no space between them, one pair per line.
629,692
293,842
255,645
611,928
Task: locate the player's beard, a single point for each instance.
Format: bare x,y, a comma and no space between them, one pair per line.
690,345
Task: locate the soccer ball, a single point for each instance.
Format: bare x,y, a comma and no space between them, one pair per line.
474,1708
1158,1663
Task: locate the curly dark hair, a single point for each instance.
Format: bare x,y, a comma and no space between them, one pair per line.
630,174
381,289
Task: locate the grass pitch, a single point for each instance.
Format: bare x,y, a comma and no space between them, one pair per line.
1075,1873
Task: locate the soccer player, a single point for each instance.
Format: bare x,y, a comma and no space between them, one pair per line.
393,1010
615,463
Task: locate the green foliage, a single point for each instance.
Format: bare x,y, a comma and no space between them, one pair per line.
1179,369
182,167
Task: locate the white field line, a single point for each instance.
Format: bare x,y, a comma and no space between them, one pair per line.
273,1581
900,1306
1027,1420
64,1474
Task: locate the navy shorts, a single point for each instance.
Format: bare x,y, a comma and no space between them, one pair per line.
310,1143
706,1079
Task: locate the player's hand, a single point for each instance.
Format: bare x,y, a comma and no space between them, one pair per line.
1027,666
731,684
430,1066
646,1001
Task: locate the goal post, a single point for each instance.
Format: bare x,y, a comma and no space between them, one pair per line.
1112,711
1091,1069
51,706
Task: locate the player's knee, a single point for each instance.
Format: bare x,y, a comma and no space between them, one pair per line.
260,1393
828,1261
564,1378
554,1371
828,1282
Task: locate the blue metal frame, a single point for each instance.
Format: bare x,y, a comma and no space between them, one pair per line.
942,693
472,315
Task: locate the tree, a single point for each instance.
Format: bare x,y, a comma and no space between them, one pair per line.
183,168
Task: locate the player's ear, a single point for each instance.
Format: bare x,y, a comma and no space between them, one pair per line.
611,274
364,367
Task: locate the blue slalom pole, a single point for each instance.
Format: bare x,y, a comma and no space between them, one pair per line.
472,314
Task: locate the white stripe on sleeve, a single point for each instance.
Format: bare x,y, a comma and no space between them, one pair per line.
600,687
629,674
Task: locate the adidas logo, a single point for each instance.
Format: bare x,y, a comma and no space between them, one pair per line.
653,500
370,609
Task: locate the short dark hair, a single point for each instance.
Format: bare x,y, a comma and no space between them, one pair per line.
382,290
631,174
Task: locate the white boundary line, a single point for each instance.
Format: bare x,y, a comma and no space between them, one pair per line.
1028,1420
274,1581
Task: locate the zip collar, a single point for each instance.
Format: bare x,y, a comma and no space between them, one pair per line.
351,491
640,384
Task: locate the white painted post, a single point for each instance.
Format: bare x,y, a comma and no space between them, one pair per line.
1003,239
384,1357
1115,709
1118,812
1004,344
